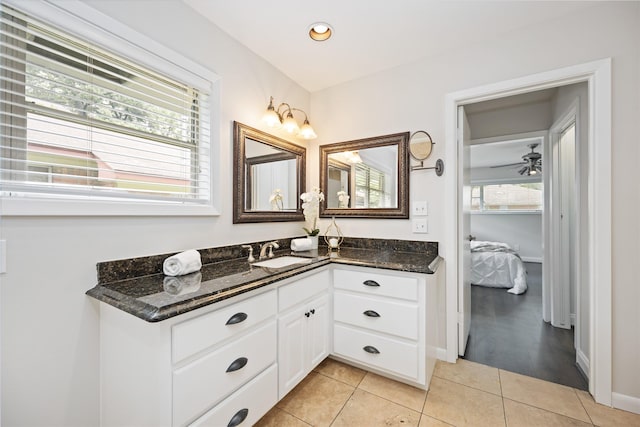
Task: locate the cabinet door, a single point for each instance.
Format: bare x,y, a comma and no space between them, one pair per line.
292,328
319,327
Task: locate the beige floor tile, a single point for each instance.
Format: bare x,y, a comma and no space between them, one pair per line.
278,418
341,371
427,421
470,374
395,391
556,398
317,399
604,416
521,415
463,406
366,409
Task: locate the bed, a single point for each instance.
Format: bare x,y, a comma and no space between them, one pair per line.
497,265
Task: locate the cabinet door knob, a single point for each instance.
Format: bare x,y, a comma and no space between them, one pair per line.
370,283
237,364
371,349
238,418
237,318
371,313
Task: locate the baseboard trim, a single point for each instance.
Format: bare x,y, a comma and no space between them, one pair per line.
531,259
441,353
626,403
583,363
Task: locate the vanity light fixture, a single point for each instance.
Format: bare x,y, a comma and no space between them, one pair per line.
283,117
320,31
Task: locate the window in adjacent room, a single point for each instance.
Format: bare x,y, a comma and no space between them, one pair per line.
81,122
371,187
511,197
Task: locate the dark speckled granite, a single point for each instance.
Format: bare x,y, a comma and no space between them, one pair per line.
139,287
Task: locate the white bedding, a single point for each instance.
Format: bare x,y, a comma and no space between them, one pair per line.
496,265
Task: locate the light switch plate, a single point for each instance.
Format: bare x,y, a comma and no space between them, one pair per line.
420,208
419,225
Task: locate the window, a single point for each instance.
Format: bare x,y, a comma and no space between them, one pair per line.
511,197
371,191
80,121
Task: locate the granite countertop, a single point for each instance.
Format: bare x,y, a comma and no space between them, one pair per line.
135,286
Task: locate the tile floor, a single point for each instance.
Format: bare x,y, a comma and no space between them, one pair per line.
461,394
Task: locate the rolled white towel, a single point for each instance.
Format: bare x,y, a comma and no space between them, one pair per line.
183,263
183,284
301,245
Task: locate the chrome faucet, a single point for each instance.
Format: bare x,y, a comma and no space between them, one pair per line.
270,246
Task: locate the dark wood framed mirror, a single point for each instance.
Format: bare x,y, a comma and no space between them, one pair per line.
268,177
366,178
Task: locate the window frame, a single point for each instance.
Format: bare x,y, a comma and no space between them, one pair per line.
85,22
483,183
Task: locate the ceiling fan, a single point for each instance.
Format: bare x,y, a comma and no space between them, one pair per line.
531,162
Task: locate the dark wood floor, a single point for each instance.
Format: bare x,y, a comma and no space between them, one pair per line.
507,332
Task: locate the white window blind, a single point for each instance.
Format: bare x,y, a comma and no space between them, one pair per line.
77,120
371,187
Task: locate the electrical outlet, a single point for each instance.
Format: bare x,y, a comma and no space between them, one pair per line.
419,225
420,208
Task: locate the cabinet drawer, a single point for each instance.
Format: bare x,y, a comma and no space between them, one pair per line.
303,289
248,404
201,384
375,283
196,334
392,317
393,355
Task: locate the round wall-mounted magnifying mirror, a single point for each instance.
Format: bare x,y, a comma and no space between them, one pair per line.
420,145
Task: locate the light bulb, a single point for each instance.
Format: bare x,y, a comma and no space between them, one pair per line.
289,124
306,131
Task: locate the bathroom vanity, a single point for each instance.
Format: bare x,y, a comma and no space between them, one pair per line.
226,352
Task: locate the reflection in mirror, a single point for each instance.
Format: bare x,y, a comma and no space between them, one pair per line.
268,177
420,145
366,178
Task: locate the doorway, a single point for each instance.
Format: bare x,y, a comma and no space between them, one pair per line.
598,76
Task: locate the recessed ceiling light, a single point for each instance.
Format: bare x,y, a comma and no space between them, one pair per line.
320,31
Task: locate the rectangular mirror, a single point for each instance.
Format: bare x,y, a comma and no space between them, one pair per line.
268,177
366,178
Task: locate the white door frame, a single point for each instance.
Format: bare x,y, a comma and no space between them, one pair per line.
560,292
598,76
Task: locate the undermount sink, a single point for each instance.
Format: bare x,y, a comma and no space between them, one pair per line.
283,261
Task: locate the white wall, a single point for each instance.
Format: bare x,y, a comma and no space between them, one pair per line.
521,231
509,121
50,333
412,98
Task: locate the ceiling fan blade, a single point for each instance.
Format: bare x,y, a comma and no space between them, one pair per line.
507,165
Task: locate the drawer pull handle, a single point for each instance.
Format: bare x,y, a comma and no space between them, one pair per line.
237,364
371,349
238,418
371,313
370,283
237,318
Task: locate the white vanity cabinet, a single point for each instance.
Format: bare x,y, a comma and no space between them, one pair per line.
304,326
384,320
213,366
